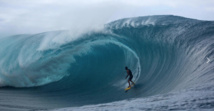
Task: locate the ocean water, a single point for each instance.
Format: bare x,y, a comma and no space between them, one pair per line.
171,58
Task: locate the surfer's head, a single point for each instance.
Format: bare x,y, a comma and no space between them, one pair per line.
126,67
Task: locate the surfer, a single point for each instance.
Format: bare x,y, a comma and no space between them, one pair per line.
129,73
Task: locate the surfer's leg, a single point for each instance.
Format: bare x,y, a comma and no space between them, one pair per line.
129,83
130,79
133,83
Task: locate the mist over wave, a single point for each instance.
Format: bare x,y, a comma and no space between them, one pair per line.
165,53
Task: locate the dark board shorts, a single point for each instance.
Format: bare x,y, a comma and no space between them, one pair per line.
130,78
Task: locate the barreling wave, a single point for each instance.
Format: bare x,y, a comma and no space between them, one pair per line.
165,53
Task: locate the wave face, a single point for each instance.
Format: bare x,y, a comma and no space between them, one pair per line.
165,53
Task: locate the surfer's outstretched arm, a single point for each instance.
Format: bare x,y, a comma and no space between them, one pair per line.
127,75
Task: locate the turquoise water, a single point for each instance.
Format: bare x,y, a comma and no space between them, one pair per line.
55,70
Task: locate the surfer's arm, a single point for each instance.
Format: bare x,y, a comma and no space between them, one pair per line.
127,75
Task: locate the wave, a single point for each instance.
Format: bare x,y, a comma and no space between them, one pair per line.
165,53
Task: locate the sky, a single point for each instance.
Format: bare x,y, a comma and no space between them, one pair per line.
36,16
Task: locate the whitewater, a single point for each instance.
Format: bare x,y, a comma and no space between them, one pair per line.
171,59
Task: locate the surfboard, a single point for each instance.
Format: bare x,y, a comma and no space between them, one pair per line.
129,88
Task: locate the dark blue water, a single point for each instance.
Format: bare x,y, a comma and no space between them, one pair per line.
55,69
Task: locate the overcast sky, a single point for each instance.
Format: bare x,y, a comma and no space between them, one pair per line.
35,16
